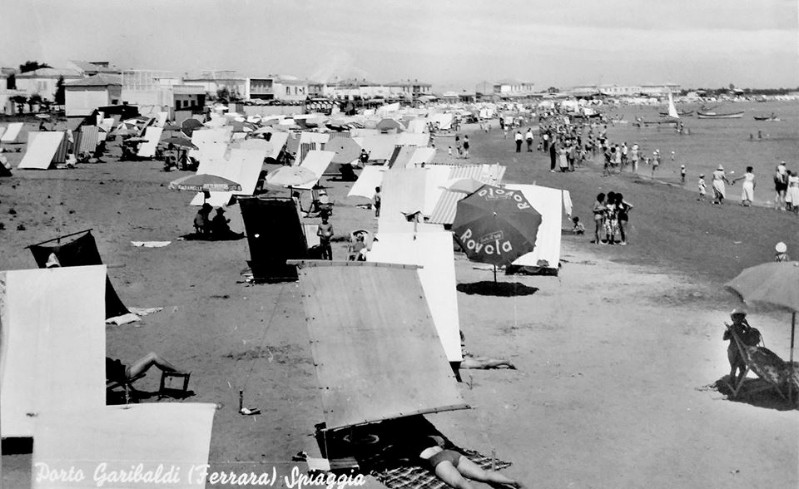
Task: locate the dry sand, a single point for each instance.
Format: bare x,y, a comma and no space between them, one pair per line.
614,355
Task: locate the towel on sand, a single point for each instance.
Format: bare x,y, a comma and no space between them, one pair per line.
415,477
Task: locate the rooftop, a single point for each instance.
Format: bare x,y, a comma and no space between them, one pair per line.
99,80
50,73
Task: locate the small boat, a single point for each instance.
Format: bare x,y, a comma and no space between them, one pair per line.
681,113
771,117
714,115
673,112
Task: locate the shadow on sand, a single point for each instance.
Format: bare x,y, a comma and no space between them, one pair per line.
760,395
497,289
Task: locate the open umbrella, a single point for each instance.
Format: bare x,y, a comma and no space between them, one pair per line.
203,182
776,284
291,176
389,124
495,225
179,143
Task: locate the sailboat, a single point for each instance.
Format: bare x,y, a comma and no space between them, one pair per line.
673,110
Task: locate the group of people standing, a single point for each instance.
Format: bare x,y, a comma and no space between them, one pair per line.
786,186
611,215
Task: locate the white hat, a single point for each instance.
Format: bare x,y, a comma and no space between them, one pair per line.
781,247
738,311
720,167
52,261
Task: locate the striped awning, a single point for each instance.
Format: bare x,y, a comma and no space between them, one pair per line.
444,212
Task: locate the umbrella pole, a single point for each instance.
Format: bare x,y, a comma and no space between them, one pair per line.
793,331
495,275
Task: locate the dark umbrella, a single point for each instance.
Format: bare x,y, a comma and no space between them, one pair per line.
389,124
179,142
776,284
189,125
496,225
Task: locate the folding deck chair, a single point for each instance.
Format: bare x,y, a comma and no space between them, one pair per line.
766,365
112,386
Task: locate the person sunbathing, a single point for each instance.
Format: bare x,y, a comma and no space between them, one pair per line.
455,469
483,363
116,371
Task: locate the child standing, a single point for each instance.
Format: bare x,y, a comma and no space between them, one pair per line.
702,188
682,173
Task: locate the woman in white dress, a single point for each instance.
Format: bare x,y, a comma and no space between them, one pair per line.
719,187
792,196
748,187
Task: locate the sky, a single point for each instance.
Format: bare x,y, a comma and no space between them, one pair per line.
451,44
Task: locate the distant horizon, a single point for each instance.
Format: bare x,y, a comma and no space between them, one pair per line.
450,44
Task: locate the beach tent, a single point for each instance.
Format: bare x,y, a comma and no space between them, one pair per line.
2,131
403,193
12,132
53,322
274,234
421,157
277,142
379,146
87,139
408,227
153,135
416,126
444,120
549,203
376,351
43,150
437,177
403,158
75,252
208,138
433,252
241,165
170,440
444,210
412,139
317,162
370,177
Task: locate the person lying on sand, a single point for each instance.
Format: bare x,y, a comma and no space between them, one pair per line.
453,468
115,370
481,363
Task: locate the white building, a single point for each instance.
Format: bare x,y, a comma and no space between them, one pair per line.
154,91
81,97
44,81
353,88
409,89
213,81
513,88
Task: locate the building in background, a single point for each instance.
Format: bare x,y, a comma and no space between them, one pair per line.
513,88
81,97
213,81
44,81
409,89
160,91
91,68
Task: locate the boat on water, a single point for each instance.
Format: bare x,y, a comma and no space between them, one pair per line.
681,113
771,117
715,115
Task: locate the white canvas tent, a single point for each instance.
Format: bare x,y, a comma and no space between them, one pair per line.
153,136
102,441
12,132
54,323
41,150
412,139
421,157
379,146
241,165
317,162
370,177
549,203
433,252
403,194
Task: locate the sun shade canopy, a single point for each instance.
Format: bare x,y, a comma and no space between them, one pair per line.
375,347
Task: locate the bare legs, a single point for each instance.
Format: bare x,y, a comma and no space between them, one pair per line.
457,477
144,364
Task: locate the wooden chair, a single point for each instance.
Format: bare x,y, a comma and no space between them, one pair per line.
765,364
129,392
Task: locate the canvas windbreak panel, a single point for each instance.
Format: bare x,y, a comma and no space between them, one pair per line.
375,347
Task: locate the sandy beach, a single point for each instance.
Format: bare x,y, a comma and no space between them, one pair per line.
617,356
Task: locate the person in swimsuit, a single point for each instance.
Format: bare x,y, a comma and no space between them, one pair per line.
453,468
115,370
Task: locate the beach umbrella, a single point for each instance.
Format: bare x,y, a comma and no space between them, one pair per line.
389,124
774,284
291,176
189,125
203,183
179,142
495,225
